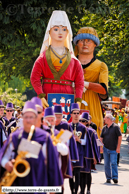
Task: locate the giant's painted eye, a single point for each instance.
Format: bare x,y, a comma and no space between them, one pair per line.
55,29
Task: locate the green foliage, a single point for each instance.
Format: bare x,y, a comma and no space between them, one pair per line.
9,96
19,84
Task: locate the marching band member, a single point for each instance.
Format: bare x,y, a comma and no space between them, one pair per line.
85,173
83,144
61,148
10,121
3,137
1,110
44,170
56,65
39,107
64,125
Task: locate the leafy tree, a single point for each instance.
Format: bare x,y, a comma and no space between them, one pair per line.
16,98
18,83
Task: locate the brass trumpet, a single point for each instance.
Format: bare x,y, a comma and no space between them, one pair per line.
21,167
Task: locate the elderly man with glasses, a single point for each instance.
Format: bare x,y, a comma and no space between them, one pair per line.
111,137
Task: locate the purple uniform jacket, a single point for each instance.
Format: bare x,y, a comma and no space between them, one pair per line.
89,164
2,128
44,170
7,122
85,151
72,144
66,160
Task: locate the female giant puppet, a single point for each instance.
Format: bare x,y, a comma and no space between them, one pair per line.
56,64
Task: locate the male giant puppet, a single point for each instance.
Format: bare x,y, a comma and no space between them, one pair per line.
95,74
56,64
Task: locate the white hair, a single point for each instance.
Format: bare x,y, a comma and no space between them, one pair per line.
110,117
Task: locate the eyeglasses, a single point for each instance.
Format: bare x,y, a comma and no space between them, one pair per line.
30,118
83,121
9,110
76,113
39,112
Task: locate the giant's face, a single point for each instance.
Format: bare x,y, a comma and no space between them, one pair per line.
86,46
58,33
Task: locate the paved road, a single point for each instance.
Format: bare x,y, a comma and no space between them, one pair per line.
98,177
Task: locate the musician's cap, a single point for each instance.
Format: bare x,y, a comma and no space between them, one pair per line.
75,106
1,104
37,101
58,109
49,112
85,116
29,107
9,106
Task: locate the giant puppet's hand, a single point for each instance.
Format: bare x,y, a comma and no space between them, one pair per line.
96,87
86,84
44,103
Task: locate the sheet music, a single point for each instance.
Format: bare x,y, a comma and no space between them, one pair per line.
31,147
65,136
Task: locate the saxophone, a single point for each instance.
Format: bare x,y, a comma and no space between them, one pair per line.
13,129
77,133
21,167
55,139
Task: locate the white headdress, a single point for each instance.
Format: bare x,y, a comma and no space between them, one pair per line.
58,18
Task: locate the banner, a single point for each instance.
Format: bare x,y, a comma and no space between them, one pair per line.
65,100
